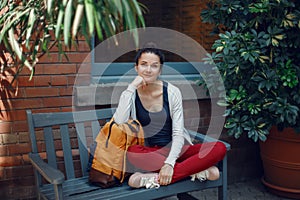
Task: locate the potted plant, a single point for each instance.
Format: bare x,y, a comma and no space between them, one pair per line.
257,55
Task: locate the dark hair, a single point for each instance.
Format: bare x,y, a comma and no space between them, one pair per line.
150,48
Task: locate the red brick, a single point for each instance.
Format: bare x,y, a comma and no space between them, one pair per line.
16,149
41,92
19,115
67,69
3,150
25,158
46,110
71,80
38,69
25,71
59,69
20,93
25,170
75,57
59,80
27,103
67,109
5,127
66,91
42,80
20,126
8,161
25,82
57,102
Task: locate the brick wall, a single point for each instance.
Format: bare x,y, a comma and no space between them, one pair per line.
51,90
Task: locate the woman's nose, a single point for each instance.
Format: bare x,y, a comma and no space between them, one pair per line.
149,68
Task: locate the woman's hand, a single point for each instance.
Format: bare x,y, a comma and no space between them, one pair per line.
138,82
165,174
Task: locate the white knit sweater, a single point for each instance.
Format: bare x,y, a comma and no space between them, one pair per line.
126,108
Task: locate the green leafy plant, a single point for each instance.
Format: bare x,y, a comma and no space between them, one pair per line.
257,55
30,28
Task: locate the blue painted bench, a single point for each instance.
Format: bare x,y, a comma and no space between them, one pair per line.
61,137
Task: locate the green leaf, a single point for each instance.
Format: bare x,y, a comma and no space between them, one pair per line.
31,22
11,21
89,12
49,6
15,46
77,19
99,29
59,21
67,22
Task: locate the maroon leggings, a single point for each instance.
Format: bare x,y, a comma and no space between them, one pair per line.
193,159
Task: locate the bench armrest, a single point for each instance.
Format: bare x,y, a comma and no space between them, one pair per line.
52,175
206,138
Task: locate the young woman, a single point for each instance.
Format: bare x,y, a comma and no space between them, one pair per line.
168,154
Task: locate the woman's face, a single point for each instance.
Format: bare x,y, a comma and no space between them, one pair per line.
149,67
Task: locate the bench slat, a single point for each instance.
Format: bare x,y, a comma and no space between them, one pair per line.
95,129
67,152
52,119
82,145
80,189
50,149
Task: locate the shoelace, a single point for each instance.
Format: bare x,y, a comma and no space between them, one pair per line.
149,182
202,176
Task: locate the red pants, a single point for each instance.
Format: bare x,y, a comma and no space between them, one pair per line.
194,158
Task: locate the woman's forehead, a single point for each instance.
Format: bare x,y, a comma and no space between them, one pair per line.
149,57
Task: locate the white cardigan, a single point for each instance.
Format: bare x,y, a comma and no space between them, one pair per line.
126,109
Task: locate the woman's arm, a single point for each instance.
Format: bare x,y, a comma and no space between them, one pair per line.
125,104
176,109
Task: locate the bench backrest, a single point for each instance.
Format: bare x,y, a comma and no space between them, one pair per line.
65,133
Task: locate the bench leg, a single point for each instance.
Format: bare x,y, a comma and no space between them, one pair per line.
185,196
58,192
38,181
222,190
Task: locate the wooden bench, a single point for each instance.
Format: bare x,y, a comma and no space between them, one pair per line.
58,138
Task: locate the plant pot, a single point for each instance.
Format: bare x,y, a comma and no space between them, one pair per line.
281,162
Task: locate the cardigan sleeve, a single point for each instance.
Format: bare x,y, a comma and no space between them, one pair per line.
125,105
176,109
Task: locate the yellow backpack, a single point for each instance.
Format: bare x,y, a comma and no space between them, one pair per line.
108,158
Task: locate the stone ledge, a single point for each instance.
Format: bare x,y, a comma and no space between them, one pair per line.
109,93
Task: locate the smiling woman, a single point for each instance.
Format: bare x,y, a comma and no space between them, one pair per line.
168,155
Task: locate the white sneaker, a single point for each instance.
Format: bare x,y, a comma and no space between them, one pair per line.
211,174
148,180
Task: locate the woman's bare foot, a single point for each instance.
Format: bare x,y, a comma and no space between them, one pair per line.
212,173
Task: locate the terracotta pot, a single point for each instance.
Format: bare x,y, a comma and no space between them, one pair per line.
281,161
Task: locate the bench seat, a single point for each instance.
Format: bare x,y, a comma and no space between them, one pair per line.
79,188
65,138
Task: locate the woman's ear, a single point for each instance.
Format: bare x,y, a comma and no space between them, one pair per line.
136,68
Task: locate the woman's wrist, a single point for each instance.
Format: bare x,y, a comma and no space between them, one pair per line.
167,164
131,87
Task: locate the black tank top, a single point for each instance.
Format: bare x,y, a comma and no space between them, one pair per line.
157,125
